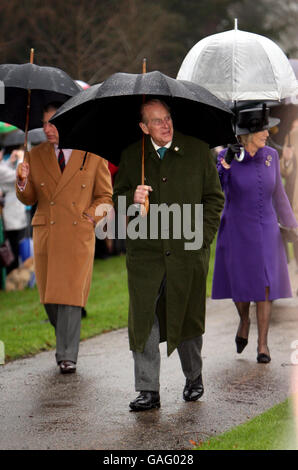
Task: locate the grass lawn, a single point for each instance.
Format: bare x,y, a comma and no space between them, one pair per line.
24,328
272,430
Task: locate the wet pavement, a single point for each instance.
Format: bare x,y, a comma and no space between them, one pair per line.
42,409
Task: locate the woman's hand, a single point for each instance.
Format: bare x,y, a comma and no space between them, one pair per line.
232,150
225,164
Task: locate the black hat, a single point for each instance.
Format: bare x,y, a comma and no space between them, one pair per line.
254,120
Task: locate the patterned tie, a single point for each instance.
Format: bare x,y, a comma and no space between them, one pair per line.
162,151
61,160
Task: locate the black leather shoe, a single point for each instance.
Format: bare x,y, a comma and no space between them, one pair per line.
145,401
67,367
193,389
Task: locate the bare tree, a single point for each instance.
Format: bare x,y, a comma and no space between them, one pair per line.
91,40
277,20
12,33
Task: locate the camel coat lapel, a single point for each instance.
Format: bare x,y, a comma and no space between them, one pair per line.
72,167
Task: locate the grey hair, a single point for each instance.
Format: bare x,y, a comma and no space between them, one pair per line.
245,138
149,103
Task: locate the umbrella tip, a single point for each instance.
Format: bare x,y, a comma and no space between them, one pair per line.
235,23
144,64
31,55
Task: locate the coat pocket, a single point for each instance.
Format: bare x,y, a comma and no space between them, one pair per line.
38,219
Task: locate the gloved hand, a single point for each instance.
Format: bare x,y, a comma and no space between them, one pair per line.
232,150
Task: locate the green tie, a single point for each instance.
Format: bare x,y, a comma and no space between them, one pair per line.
162,151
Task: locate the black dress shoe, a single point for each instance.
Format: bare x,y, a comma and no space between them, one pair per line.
67,367
193,389
145,401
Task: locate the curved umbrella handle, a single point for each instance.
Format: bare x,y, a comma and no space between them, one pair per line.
241,156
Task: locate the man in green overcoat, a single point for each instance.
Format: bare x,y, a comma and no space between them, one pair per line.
167,270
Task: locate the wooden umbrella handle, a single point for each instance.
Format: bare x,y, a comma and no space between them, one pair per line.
28,113
145,208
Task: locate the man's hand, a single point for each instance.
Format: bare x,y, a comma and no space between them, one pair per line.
233,149
89,219
141,193
22,172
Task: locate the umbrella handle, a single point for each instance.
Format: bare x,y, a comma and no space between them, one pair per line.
144,207
28,113
241,156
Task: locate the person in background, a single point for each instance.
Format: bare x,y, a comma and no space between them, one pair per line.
13,213
289,170
250,260
7,176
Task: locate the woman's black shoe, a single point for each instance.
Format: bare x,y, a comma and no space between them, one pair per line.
241,343
263,358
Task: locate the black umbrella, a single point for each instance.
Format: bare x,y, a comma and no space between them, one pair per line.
17,137
104,118
46,84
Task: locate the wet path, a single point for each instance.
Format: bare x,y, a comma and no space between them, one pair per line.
41,409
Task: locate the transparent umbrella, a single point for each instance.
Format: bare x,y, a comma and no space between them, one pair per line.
240,66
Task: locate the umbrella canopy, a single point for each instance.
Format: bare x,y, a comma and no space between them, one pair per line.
17,137
4,128
82,84
239,66
47,84
104,118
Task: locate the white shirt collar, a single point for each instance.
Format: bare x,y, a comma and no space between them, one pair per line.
168,145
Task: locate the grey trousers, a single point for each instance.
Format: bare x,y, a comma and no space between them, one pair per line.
147,363
66,319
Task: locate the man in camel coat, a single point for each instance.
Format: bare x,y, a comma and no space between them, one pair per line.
67,187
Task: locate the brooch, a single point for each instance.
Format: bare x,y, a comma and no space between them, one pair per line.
268,160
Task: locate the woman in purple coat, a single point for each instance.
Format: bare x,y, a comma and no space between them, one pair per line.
250,261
